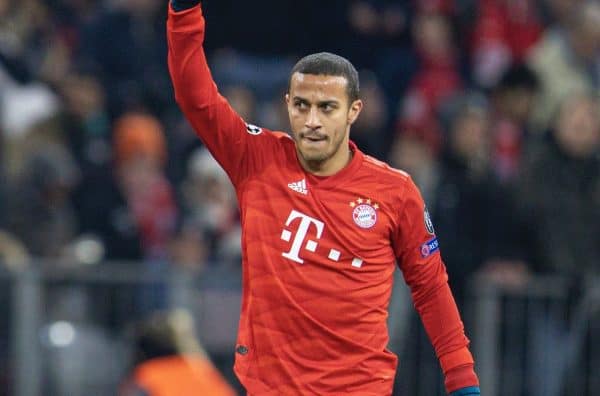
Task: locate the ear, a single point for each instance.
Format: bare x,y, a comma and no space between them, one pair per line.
354,111
287,98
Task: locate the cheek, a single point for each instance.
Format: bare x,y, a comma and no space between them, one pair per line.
338,129
295,118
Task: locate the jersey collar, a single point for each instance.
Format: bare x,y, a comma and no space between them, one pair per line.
329,182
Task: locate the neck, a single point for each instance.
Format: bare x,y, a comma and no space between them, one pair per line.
330,166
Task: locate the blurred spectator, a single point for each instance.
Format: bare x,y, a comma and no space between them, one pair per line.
512,102
370,131
78,179
134,212
254,85
125,46
189,249
169,360
373,28
131,208
416,152
567,61
559,203
463,194
558,12
21,25
32,55
559,193
242,100
40,213
438,78
504,33
210,204
85,122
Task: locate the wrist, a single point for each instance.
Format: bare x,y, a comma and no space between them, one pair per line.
461,377
468,391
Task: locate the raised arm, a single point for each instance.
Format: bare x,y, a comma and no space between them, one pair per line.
220,128
420,261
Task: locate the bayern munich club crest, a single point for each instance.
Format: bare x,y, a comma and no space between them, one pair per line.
364,213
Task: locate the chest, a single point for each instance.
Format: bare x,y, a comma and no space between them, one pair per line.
347,226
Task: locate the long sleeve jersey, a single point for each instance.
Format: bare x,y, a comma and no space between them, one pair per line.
318,252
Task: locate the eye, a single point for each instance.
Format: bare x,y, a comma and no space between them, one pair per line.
301,105
327,107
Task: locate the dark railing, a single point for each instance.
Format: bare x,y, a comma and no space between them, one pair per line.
64,330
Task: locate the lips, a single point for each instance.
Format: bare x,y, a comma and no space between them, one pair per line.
314,138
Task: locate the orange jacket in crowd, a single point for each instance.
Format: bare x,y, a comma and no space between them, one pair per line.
179,376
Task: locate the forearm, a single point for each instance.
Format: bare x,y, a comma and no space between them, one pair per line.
192,80
442,323
221,129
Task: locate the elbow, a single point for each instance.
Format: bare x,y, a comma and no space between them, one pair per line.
189,102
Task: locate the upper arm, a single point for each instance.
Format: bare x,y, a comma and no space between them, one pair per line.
416,244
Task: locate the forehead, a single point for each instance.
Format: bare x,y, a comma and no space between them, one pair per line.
318,87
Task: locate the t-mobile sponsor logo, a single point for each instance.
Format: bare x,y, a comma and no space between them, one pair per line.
301,234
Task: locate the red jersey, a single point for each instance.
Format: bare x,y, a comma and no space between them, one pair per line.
318,252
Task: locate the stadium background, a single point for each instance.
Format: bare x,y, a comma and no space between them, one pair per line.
110,209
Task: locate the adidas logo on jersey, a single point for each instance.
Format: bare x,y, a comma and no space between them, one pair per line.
299,186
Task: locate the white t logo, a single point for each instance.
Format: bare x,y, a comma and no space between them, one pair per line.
305,223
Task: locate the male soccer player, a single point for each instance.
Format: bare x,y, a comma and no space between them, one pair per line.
323,226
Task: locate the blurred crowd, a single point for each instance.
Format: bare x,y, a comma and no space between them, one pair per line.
491,105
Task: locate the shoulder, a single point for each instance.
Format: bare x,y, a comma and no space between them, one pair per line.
276,140
385,173
255,130
394,184
263,146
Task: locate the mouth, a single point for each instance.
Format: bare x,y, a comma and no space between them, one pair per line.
313,138
314,142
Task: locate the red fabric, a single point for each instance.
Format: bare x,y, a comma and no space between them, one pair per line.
318,253
514,24
456,377
437,81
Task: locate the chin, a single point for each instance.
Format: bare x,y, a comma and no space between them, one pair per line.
313,156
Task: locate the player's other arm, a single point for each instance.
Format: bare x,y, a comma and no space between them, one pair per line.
418,252
220,128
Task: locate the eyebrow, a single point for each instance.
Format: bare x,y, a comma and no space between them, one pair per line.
321,103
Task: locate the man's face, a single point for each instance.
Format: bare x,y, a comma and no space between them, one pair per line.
578,127
320,118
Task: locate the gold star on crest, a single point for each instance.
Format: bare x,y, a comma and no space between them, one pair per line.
366,201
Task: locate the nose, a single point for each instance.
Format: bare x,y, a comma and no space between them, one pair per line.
312,119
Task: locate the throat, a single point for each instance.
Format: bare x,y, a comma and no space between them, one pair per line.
326,167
